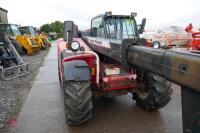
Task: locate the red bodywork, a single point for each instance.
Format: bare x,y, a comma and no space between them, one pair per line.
195,37
89,58
106,83
119,82
148,43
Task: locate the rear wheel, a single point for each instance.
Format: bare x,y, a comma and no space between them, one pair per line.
59,76
155,95
78,102
196,123
45,43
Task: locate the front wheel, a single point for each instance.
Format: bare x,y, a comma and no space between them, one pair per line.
155,95
78,102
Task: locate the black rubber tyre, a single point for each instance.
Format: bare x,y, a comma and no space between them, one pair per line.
78,102
45,44
157,94
17,47
24,51
196,123
1,52
59,73
6,63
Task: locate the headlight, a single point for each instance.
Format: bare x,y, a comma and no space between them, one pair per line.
155,44
75,46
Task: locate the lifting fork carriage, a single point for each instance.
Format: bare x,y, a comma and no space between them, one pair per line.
11,63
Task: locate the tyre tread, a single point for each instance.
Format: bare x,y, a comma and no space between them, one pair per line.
78,104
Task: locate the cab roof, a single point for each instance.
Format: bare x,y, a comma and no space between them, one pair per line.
113,16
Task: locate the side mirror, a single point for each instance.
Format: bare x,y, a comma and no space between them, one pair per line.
68,31
141,29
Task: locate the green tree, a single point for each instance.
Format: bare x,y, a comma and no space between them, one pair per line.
45,28
56,26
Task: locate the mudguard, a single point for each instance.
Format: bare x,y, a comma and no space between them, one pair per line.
76,70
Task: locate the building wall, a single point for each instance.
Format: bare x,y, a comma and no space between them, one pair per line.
3,16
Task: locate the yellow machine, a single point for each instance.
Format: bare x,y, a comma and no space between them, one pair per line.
28,44
46,39
41,39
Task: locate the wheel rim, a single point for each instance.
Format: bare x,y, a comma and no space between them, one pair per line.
142,93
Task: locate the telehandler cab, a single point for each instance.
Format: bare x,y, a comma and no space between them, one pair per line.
111,59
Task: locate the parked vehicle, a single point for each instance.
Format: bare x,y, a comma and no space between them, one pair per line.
41,39
195,37
111,59
27,44
11,64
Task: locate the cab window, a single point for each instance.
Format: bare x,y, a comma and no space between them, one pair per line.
15,30
120,28
111,28
32,31
97,27
5,29
128,28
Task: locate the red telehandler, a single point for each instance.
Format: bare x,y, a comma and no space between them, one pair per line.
111,59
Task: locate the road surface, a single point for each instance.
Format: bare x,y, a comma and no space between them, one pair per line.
43,111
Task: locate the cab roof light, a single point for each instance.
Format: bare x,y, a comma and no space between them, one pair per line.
133,14
108,14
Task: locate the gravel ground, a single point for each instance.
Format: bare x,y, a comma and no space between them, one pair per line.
14,92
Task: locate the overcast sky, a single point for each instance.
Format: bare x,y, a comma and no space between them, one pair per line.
158,12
